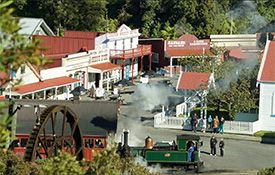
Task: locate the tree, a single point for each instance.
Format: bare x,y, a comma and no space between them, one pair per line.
168,32
234,90
85,15
64,164
15,50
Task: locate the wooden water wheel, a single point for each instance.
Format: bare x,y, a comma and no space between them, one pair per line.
56,129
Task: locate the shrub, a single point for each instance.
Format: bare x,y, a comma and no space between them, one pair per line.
265,134
64,164
11,164
267,171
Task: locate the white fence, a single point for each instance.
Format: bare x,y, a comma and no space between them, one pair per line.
237,127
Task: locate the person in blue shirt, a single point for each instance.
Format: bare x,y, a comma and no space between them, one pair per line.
190,152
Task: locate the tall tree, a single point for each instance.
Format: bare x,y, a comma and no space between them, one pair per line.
86,15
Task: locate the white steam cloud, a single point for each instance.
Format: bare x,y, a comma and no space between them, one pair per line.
148,96
249,9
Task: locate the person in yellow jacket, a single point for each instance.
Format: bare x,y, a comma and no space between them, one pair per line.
216,124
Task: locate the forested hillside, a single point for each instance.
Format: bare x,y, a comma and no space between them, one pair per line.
154,18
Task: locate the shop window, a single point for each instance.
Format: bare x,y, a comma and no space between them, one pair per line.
61,90
105,75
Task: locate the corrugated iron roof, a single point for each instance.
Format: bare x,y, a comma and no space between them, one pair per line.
267,70
29,25
238,53
80,34
193,80
45,84
105,66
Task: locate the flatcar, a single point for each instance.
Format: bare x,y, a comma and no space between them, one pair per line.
184,151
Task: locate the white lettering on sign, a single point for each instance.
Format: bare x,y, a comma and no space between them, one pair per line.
176,43
198,43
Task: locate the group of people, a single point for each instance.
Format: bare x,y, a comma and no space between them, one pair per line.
213,143
216,124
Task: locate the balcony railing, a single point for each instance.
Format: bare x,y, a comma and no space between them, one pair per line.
141,50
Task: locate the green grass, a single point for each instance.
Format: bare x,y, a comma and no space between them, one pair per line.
265,134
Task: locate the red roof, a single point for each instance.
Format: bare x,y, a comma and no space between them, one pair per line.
192,80
267,70
187,37
80,34
237,53
64,45
105,66
45,84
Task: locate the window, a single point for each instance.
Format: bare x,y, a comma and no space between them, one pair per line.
89,143
99,143
61,90
23,69
24,142
273,105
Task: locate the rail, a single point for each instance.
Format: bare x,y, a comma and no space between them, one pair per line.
237,127
141,50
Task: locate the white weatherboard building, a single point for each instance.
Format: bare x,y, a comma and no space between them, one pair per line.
266,82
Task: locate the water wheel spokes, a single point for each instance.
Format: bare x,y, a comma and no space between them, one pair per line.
58,130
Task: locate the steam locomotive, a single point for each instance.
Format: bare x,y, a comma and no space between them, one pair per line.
165,153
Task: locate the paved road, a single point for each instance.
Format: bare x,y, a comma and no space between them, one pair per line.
241,153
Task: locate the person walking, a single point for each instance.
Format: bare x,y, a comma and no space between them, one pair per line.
221,145
209,121
194,121
216,124
204,124
213,143
221,125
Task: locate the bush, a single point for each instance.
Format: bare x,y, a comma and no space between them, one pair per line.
267,171
64,164
265,134
108,162
11,164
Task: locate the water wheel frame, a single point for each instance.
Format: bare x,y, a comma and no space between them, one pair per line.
35,142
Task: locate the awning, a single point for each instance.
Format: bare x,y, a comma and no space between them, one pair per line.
104,67
45,84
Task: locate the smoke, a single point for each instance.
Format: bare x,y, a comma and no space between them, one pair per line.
145,98
148,96
248,9
153,168
236,69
